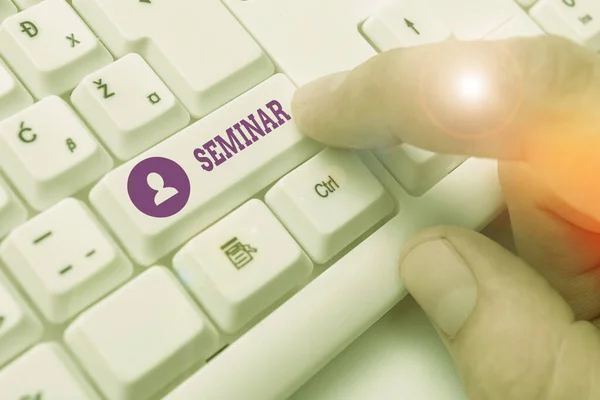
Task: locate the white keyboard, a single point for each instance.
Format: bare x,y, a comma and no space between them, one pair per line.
165,230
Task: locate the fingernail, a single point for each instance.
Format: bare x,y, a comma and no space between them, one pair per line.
442,283
320,87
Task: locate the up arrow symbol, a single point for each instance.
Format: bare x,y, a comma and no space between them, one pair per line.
410,24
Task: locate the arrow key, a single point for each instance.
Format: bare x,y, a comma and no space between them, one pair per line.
411,23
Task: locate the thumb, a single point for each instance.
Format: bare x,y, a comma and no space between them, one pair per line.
510,334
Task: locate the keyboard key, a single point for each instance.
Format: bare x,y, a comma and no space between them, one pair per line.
6,8
23,4
64,260
163,197
241,265
12,211
410,23
328,202
141,337
19,327
49,154
50,48
44,373
473,20
520,26
417,170
13,96
128,106
205,56
578,20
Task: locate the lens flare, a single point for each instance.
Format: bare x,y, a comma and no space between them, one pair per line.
471,87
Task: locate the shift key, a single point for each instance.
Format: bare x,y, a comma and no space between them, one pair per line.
163,197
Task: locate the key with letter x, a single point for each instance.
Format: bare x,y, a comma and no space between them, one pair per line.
50,48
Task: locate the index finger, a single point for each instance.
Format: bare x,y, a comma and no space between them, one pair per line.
484,98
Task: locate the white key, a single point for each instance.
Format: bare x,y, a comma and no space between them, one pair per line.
520,26
526,3
64,260
12,211
211,167
408,23
49,154
241,265
328,202
50,48
13,96
472,20
578,20
203,54
44,373
417,170
128,106
142,336
19,327
6,8
23,4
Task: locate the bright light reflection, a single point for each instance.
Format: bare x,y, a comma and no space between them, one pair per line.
471,87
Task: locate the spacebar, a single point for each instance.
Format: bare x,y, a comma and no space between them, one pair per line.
277,356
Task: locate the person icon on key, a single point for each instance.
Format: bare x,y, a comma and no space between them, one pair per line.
156,182
158,187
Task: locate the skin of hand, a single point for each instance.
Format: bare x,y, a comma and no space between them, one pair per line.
518,327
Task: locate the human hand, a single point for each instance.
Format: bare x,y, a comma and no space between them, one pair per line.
515,332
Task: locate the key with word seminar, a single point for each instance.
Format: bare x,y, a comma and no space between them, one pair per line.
417,170
50,48
64,260
205,56
128,106
13,96
163,197
241,265
142,336
328,202
12,211
44,373
48,153
578,20
19,327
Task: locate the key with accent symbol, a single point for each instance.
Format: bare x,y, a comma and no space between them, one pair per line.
50,48
48,153
128,106
204,73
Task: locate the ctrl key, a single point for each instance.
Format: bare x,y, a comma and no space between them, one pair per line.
329,201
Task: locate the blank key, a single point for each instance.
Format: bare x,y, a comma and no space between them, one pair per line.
142,336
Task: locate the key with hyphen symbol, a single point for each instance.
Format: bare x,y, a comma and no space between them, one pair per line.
64,247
